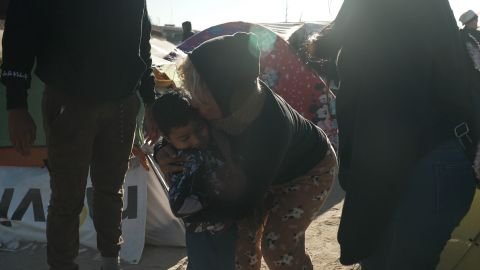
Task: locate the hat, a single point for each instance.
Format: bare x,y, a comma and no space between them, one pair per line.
467,16
227,64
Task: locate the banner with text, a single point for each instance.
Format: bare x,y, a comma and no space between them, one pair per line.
24,196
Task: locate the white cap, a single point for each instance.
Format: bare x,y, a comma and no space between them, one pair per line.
467,16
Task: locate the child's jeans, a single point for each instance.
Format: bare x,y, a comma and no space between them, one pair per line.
207,251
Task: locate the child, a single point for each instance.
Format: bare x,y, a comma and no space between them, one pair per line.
208,184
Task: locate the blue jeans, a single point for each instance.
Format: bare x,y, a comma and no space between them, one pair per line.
208,251
438,196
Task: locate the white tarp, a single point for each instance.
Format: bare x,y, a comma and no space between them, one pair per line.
24,195
163,228
159,49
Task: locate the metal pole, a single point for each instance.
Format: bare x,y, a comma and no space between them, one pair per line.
286,10
157,173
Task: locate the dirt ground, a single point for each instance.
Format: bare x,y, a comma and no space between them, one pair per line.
321,244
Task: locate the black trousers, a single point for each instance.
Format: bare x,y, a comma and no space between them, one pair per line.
82,136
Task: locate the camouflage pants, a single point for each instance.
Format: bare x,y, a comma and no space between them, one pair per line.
279,234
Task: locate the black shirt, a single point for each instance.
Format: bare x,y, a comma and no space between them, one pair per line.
471,38
278,146
90,48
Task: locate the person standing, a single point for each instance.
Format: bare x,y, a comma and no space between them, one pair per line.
471,37
92,64
470,20
406,120
187,30
3,9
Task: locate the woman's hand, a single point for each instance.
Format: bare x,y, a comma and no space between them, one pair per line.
476,162
168,161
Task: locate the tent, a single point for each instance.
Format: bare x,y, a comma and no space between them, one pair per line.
24,191
282,69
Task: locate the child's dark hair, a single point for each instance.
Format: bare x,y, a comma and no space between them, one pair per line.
173,109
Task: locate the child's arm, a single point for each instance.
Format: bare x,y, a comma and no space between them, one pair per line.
185,195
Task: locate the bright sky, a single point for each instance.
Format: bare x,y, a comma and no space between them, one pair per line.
206,13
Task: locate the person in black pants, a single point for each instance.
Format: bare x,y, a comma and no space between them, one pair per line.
404,98
187,30
93,65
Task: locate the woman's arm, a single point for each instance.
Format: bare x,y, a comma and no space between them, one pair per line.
231,176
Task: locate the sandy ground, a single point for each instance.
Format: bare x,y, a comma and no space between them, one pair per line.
321,244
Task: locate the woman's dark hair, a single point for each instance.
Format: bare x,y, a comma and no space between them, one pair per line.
173,109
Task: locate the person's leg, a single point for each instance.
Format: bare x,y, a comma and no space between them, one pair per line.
248,254
111,152
69,130
439,195
295,206
207,251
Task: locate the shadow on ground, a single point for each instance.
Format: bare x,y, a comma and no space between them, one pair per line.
34,257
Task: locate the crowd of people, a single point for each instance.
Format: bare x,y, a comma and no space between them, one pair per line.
247,173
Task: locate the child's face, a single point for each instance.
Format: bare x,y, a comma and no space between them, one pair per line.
194,135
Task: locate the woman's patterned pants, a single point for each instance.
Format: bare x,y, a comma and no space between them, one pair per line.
279,234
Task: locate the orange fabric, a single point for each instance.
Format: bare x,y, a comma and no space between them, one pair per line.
162,80
136,151
10,157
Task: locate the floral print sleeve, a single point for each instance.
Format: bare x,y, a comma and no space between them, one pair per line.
192,189
186,194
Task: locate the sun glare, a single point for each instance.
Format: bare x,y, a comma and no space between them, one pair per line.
206,13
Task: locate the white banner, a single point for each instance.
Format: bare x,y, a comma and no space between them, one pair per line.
24,196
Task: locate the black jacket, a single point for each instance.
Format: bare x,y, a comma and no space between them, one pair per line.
3,9
278,146
403,89
470,35
471,38
90,48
